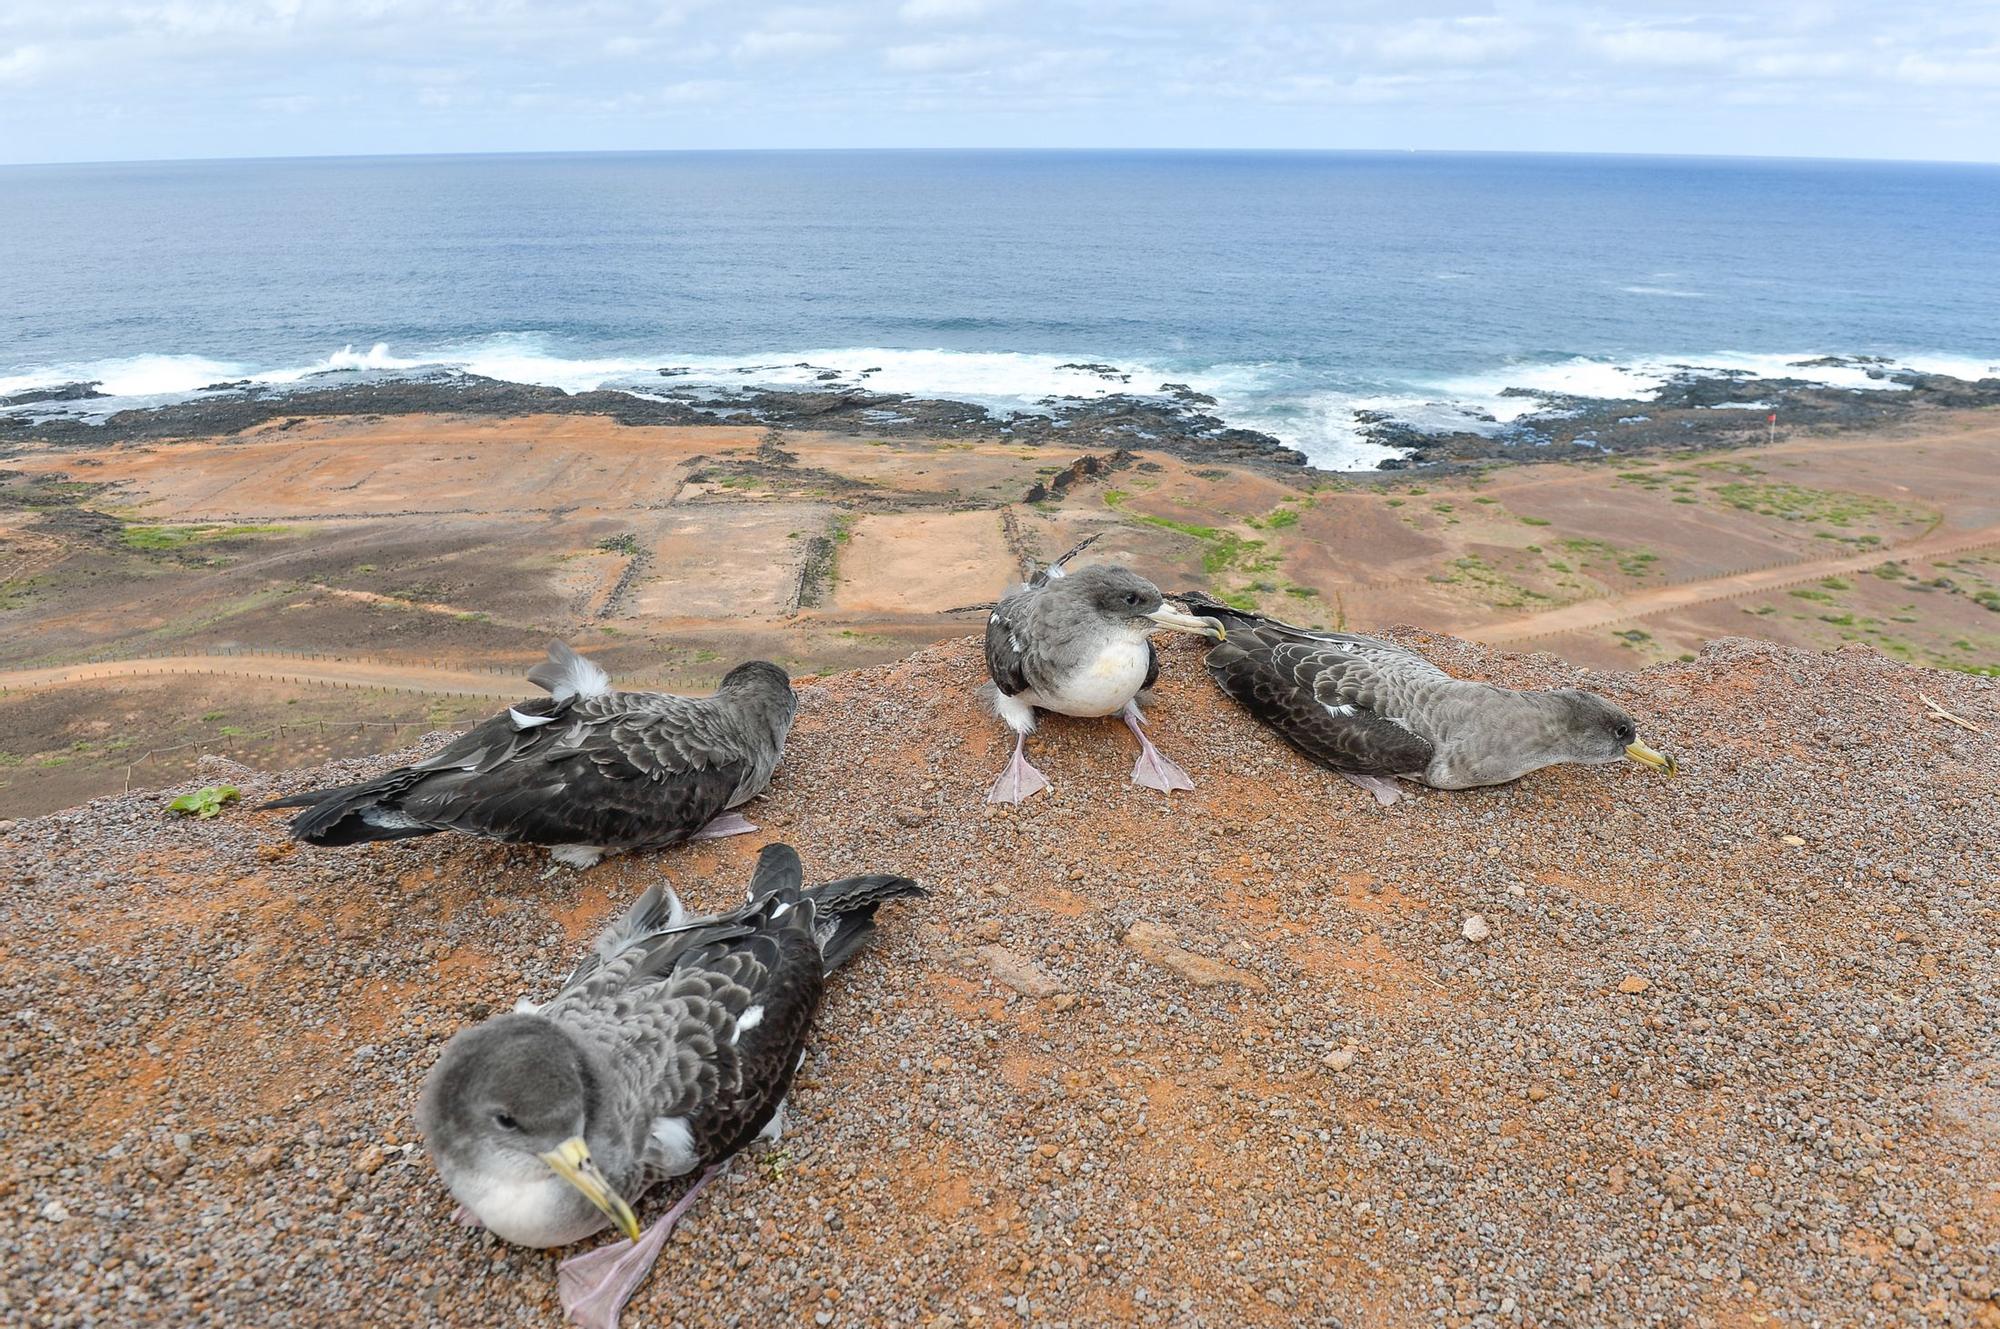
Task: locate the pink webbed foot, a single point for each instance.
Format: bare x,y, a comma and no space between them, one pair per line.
1153,771
595,1286
465,1217
1386,792
724,826
1018,781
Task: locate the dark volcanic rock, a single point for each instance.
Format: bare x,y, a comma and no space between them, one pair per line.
59,392
1173,425
1692,412
1086,467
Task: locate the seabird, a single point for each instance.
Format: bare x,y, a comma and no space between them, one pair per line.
1375,712
669,1049
587,770
1079,644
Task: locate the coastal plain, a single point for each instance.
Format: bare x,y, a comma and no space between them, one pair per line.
260,593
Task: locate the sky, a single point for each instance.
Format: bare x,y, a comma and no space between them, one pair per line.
97,80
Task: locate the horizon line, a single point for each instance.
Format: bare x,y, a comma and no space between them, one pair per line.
999,150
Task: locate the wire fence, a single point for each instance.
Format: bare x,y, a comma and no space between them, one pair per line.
320,727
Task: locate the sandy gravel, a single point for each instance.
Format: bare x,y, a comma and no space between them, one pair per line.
1728,1053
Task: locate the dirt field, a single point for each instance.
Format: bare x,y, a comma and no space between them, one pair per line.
1727,1056
425,548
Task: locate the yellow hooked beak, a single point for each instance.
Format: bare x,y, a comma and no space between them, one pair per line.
570,1160
1208,627
1646,756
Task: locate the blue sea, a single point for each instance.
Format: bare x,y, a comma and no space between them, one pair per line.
1296,288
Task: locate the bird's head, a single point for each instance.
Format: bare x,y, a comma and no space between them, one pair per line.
1124,597
512,1097
759,683
1594,731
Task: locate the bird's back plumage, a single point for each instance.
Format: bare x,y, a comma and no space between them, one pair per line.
1352,703
585,765
699,1023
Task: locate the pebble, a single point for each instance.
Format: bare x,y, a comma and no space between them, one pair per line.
1633,984
1475,928
1162,948
1018,972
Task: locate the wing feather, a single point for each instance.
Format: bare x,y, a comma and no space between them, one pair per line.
1324,696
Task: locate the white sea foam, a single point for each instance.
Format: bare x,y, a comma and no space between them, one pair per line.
1293,403
1667,292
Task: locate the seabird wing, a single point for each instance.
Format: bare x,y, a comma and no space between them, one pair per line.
1006,647
703,1026
621,770
703,1019
1323,697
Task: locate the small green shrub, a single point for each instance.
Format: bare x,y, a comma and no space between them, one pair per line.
206,802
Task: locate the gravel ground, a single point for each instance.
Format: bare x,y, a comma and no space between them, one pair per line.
1728,1051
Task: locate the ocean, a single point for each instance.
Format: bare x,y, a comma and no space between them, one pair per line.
1295,288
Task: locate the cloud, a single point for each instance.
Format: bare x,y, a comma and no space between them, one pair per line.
115,78
1466,41
952,53
941,11
22,63
1670,48
787,45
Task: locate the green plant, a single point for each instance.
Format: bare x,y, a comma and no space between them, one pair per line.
205,802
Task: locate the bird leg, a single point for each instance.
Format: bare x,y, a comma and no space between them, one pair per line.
595,1286
724,826
465,1217
1152,770
1386,792
1019,780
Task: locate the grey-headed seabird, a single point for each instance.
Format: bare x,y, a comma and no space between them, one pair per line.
1079,644
670,1048
587,770
1375,712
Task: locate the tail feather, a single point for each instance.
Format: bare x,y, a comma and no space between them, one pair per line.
779,872
848,907
310,798
339,815
565,674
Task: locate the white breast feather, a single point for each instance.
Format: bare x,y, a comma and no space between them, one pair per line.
527,1208
1103,686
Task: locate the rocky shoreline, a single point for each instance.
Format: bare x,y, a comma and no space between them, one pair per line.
1702,408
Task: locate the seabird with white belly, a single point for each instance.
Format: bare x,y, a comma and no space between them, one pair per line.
670,1048
587,770
1080,644
1375,712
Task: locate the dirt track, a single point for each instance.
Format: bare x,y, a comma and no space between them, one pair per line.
279,668
1638,604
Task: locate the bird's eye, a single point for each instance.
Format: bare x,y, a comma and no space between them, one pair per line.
505,1122
1131,597
1626,733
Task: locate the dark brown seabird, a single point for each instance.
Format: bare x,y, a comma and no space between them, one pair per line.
587,770
670,1048
1374,712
